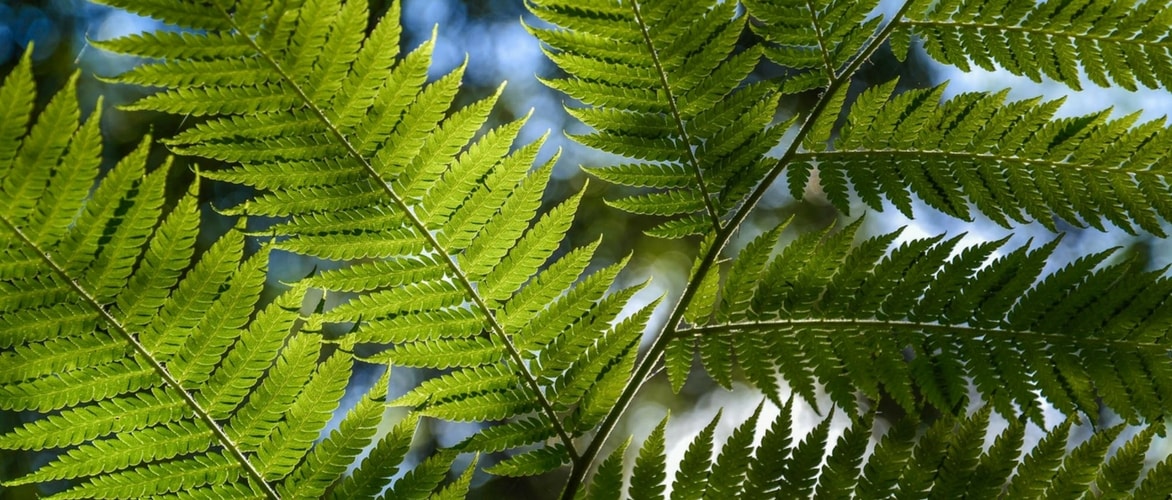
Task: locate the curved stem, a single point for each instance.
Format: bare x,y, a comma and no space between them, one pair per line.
659,345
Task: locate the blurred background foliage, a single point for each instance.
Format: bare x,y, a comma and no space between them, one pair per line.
488,35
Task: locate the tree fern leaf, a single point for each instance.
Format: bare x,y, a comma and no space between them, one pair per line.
266,175
821,36
339,51
1119,474
1012,151
1104,38
692,477
421,110
236,72
456,384
511,435
607,483
46,142
432,160
255,420
482,157
114,264
442,254
505,229
452,322
610,371
572,345
185,13
458,489
30,361
746,271
471,217
69,183
728,471
547,285
261,98
977,313
716,355
327,462
531,251
236,491
85,385
567,309
27,326
81,243
688,225
364,83
763,475
677,360
163,477
175,45
649,475
1157,483
531,463
205,346
289,443
377,468
666,203
1081,465
664,175
482,406
193,297
442,353
378,274
83,423
167,255
841,471
418,296
125,450
996,464
958,469
930,452
706,294
880,475
17,95
801,472
681,56
320,225
1037,469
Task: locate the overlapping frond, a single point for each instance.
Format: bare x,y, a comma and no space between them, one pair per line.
149,375
919,322
1120,42
360,156
1012,161
664,85
817,36
951,458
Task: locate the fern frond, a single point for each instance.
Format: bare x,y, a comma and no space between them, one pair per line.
1124,43
359,155
950,455
1021,163
818,36
664,85
149,375
920,323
